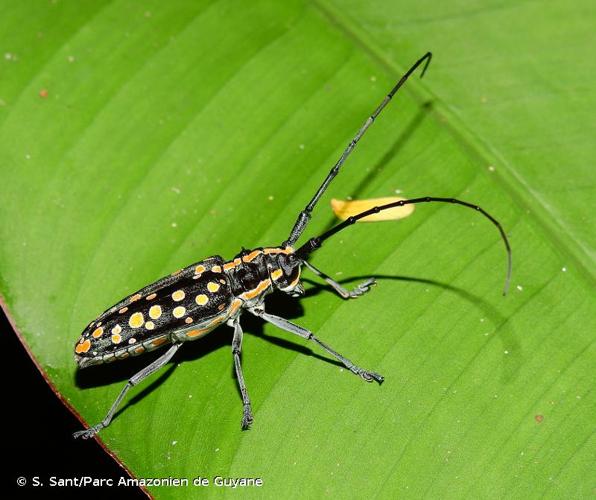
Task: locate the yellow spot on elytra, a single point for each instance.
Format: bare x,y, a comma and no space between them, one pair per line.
176,272
132,340
200,269
222,281
136,320
83,346
278,273
117,329
154,312
201,299
150,325
98,332
123,310
179,311
151,297
188,320
178,295
216,269
344,209
116,338
135,297
212,287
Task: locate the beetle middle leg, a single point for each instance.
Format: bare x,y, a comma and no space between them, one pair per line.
288,326
134,380
247,417
344,293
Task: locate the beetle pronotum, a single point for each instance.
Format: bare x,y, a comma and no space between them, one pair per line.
195,300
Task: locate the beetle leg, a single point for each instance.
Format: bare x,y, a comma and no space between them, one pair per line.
344,293
286,325
134,380
247,417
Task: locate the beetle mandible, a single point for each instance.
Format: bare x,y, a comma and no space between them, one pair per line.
192,302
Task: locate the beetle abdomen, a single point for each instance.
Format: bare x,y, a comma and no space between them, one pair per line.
182,306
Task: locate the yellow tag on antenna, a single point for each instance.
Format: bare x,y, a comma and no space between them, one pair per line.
346,208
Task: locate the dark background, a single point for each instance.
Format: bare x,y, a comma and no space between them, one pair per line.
39,430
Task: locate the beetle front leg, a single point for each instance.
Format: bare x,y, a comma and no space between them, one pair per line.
344,293
247,417
288,326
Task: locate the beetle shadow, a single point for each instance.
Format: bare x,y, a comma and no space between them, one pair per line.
221,337
504,331
121,372
402,139
289,308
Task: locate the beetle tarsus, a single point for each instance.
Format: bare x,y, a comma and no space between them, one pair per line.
247,418
344,293
371,376
87,433
362,288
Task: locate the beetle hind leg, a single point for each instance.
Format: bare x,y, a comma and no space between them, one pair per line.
88,433
134,380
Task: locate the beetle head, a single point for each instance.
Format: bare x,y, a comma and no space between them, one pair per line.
285,276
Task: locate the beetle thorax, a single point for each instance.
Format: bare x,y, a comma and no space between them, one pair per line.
255,273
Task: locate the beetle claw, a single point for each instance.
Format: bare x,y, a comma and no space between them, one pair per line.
362,288
247,418
372,376
85,433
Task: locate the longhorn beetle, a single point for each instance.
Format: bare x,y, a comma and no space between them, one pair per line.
193,301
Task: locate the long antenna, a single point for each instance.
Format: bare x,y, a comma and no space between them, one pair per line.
305,215
314,243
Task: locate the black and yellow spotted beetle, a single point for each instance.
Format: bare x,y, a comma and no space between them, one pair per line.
192,302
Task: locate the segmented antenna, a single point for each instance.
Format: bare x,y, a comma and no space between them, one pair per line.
314,243
304,216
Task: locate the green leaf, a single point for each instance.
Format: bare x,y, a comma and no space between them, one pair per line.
138,138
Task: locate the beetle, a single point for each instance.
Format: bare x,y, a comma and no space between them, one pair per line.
193,301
